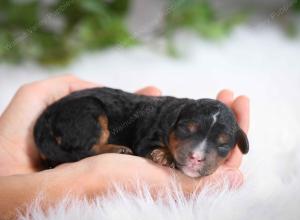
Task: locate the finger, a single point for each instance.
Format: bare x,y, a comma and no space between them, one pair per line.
71,83
225,96
150,91
235,158
240,107
224,177
58,87
79,84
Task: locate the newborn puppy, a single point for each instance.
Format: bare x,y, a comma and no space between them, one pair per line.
195,136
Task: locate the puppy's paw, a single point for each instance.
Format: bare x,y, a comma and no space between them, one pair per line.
111,148
162,157
123,150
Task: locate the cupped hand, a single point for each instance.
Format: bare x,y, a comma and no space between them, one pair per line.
230,169
18,154
102,171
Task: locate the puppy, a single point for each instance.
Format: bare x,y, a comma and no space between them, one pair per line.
195,136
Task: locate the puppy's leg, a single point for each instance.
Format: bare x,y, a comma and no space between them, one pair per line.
102,147
69,128
162,156
111,148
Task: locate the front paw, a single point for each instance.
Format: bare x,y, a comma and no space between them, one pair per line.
124,150
162,157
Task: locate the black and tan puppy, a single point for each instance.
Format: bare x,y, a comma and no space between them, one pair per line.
196,136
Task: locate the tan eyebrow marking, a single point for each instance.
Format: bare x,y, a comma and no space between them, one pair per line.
223,138
193,127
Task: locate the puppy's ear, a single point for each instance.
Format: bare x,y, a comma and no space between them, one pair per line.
242,141
171,120
174,116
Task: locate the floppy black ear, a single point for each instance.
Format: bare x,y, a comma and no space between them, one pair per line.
173,116
242,141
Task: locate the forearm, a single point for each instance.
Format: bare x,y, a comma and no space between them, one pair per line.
16,192
90,177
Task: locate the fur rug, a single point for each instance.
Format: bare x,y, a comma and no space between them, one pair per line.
260,63
247,203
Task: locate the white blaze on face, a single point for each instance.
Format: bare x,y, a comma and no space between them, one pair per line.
191,169
200,149
214,119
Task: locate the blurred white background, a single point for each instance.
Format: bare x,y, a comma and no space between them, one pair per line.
256,60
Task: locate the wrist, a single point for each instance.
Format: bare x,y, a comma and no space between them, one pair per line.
17,159
18,191
8,163
69,180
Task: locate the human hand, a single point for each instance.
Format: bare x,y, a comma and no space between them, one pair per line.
94,175
101,171
18,154
230,169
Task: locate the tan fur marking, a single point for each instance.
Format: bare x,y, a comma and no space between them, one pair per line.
193,127
58,140
223,138
43,156
111,148
103,122
174,143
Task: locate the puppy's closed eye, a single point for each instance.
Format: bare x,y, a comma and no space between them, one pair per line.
182,132
186,129
223,149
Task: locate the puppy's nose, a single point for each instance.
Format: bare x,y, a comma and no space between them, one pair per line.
196,157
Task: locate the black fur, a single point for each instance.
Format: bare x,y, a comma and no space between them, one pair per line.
67,130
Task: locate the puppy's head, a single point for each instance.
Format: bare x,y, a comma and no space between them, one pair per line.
203,136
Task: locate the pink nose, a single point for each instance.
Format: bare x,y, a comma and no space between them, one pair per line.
196,158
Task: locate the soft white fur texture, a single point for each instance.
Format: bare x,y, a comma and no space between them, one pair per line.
260,63
246,203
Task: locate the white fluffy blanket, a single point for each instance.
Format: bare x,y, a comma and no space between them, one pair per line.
260,63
